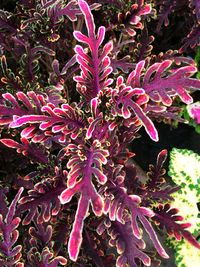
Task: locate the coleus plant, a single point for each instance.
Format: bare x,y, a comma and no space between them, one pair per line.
79,198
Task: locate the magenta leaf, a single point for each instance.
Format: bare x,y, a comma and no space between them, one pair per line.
155,187
9,79
65,120
84,164
162,89
123,96
43,199
123,64
75,239
56,9
41,235
192,40
10,254
196,5
144,46
168,218
95,68
12,107
129,248
35,152
166,8
132,20
45,258
118,201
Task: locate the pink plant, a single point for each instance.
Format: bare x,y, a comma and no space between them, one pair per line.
72,112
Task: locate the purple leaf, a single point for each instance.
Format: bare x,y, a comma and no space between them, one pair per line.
42,200
10,254
75,239
45,258
121,201
133,18
31,150
10,143
31,103
94,69
123,96
192,40
161,84
166,217
196,5
65,120
80,181
129,248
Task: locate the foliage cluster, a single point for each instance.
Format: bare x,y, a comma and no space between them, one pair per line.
74,96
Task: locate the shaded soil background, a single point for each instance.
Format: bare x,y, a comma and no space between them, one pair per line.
184,136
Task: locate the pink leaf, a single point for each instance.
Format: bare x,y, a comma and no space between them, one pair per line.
27,119
10,143
81,37
75,239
